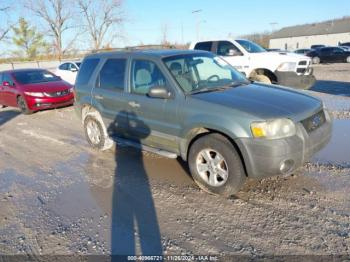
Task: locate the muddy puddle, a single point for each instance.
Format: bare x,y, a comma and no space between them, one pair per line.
337,151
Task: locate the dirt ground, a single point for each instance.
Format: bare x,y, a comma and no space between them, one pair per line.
58,196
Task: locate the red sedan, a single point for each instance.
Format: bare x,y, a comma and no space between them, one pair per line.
34,89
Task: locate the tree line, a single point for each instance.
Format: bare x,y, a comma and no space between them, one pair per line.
62,22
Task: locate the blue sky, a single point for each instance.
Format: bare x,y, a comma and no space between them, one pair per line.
217,19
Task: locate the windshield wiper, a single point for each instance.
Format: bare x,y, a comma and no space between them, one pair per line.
208,89
219,88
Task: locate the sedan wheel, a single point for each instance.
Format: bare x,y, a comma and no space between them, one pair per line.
348,59
21,103
316,60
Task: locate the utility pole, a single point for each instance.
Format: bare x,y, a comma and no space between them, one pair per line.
196,13
182,32
273,26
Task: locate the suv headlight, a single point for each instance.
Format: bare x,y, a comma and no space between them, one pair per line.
287,66
273,129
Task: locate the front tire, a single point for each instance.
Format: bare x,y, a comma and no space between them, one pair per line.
316,60
348,59
216,166
262,79
22,104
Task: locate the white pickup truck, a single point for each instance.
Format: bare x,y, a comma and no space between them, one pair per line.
283,68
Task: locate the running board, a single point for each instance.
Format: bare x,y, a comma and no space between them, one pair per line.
157,151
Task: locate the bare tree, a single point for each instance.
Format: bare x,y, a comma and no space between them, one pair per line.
4,30
101,18
56,14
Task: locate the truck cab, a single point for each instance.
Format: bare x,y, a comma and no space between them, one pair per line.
283,68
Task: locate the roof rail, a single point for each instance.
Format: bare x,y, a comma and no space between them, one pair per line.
133,48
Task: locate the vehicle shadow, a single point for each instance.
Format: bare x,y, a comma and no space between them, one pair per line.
332,87
7,115
134,217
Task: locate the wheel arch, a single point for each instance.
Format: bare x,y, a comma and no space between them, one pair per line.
196,133
265,72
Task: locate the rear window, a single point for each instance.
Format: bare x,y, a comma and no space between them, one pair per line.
112,74
35,76
86,70
205,46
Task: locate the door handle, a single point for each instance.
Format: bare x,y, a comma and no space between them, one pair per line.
134,104
99,97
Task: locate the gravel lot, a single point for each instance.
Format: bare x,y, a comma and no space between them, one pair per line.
57,196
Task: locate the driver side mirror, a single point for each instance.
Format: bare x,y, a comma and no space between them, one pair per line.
7,83
233,52
73,69
159,92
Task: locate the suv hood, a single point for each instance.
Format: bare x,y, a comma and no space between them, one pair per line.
264,102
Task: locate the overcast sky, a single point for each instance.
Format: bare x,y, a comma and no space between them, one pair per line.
216,18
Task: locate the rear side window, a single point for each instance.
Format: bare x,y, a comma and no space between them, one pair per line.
86,70
205,46
64,66
112,74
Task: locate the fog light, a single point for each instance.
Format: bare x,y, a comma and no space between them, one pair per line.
286,166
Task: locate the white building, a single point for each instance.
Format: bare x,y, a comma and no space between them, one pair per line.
329,33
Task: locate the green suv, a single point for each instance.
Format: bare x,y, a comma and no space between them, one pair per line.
194,105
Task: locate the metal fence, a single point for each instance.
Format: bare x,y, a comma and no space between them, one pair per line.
49,65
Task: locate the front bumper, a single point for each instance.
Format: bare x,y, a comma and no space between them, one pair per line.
265,158
292,79
39,103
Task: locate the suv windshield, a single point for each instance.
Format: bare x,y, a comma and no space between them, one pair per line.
251,47
202,72
35,76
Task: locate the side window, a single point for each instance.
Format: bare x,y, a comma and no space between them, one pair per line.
7,78
205,46
144,75
63,66
112,74
72,66
226,48
86,70
338,50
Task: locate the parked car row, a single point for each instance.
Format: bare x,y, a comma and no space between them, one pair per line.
335,54
191,104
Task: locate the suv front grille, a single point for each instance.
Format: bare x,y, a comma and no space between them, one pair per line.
301,70
57,94
315,121
304,62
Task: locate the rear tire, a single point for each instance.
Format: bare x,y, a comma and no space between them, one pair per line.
216,166
348,59
95,134
316,60
22,105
